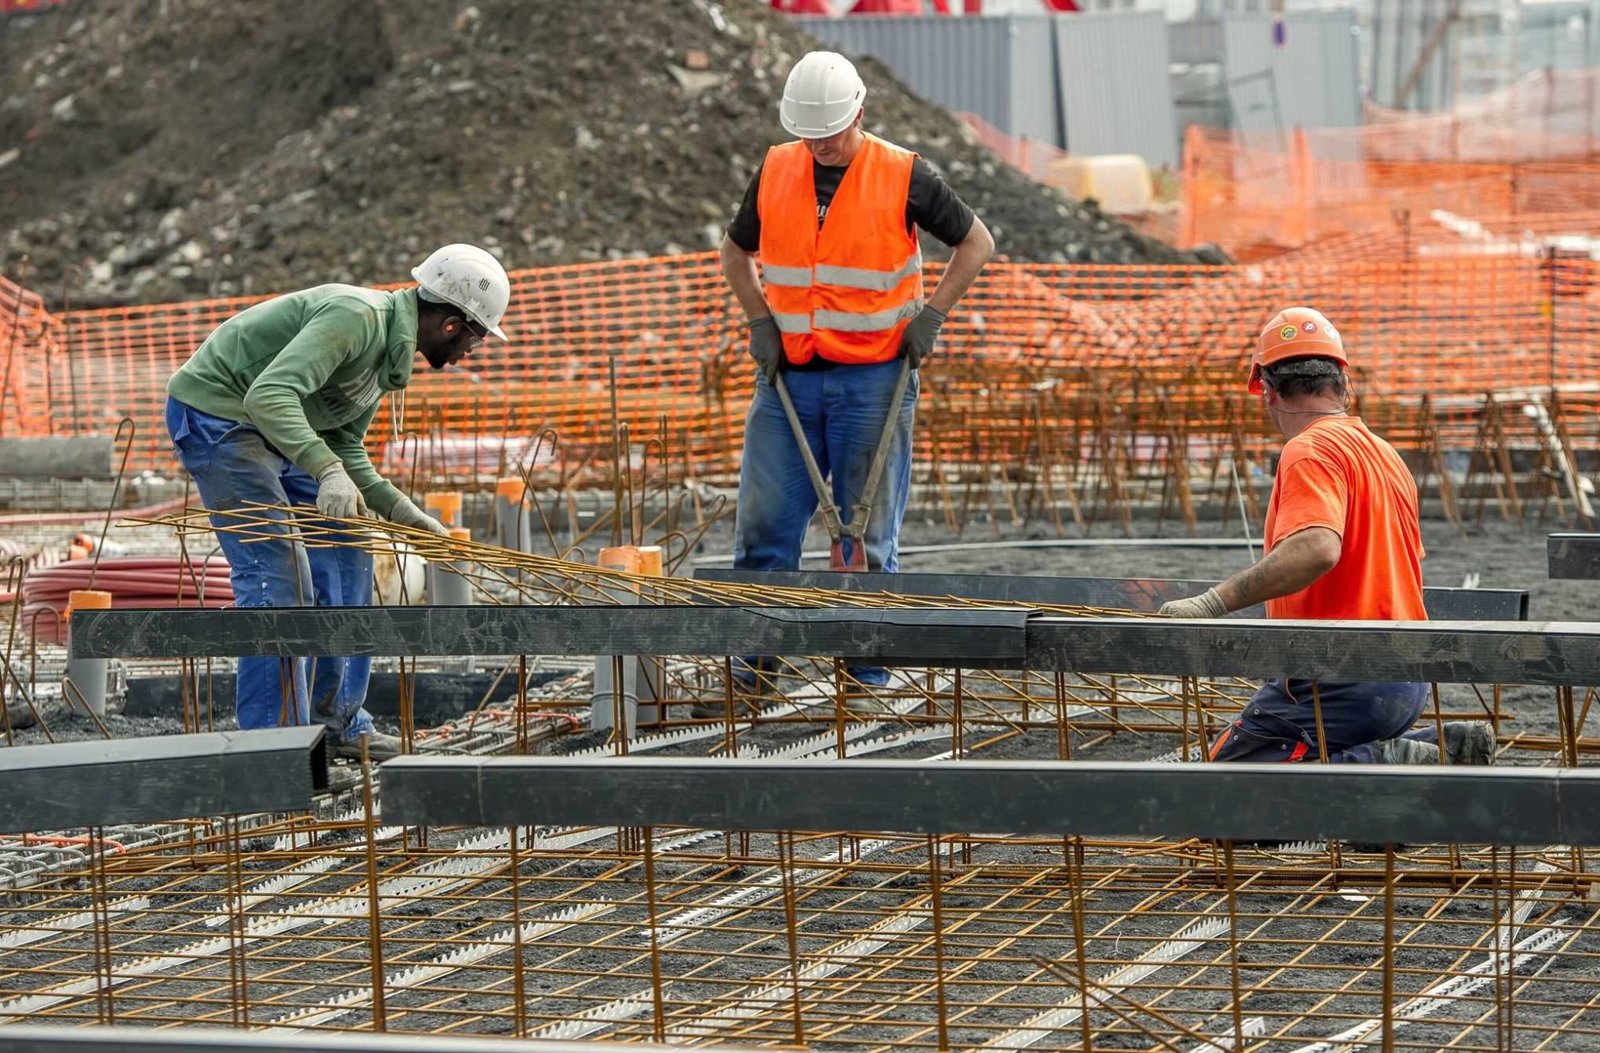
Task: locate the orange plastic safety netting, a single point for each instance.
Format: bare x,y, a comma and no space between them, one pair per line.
29,338
1035,355
1259,195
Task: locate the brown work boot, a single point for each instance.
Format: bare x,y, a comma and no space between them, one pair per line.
380,747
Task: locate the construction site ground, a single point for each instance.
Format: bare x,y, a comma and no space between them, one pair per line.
264,922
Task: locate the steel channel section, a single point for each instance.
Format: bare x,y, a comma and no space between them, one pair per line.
101,783
1574,556
1130,594
1444,652
27,1038
1244,802
1560,653
957,635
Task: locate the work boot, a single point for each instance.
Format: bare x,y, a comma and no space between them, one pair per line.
749,699
1405,751
1469,742
380,747
866,705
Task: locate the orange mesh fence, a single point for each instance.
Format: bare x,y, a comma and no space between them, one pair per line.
1040,365
1258,195
1532,148
1546,115
1032,157
29,336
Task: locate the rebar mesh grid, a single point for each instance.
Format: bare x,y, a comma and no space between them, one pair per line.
838,940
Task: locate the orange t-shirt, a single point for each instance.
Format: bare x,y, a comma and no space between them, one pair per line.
1337,474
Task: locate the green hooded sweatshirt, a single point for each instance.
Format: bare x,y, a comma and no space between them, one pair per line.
307,370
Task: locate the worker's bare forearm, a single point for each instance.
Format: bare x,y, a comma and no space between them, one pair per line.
739,268
1294,563
964,267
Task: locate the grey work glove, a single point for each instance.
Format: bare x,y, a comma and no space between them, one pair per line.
1206,605
406,513
922,334
337,496
766,347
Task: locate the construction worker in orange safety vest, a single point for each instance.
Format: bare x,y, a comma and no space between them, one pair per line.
836,303
1343,541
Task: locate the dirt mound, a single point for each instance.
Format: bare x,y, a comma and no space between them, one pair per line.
166,149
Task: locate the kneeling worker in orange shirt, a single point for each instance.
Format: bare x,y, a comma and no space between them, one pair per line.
1342,542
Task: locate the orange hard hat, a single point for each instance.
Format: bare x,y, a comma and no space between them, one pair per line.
1298,332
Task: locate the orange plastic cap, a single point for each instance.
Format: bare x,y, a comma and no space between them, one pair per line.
446,504
510,489
88,600
619,557
461,533
650,560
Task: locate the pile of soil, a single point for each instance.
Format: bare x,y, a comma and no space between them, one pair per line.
167,149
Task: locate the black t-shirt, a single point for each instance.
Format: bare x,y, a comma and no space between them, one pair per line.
930,204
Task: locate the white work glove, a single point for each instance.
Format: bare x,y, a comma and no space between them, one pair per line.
337,496
1206,605
406,513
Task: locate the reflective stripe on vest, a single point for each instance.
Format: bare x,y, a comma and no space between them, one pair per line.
850,322
795,277
793,323
862,278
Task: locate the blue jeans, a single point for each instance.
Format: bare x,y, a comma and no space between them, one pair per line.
1279,723
842,411
232,466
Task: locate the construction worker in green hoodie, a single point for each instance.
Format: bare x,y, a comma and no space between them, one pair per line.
273,409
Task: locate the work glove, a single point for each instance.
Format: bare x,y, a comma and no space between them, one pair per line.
766,347
406,513
921,335
337,496
1206,605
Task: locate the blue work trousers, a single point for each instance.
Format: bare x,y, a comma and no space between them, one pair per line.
233,466
1279,723
842,411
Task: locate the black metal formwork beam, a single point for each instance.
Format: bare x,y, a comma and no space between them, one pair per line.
100,783
1574,556
32,1038
1234,801
955,635
1131,594
1443,652
1446,652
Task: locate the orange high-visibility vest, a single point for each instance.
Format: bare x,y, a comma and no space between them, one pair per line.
844,292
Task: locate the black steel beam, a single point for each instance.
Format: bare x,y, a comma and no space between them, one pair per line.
1129,594
1574,556
100,783
951,636
33,1038
1445,652
1233,801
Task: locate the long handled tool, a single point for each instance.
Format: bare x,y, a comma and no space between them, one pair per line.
857,528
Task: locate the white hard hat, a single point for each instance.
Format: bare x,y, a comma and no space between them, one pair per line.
822,96
467,277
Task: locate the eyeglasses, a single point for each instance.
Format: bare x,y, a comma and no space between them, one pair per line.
477,334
